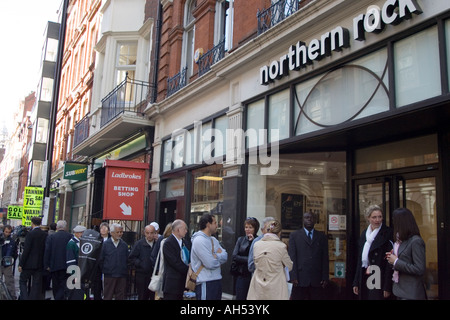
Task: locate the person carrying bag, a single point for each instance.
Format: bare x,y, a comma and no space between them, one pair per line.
156,283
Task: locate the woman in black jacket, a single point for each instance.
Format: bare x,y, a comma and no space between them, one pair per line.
373,278
239,264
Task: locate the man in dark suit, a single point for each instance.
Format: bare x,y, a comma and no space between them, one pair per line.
140,257
175,269
308,249
55,258
31,264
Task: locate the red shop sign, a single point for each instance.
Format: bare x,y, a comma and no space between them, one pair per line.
124,190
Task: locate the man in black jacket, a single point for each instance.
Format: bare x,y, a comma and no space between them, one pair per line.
55,258
140,256
175,269
308,249
31,264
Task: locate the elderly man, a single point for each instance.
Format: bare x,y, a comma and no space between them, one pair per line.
113,259
73,246
55,258
72,252
175,263
140,256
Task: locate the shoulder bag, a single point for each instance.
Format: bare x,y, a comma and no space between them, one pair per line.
156,283
191,278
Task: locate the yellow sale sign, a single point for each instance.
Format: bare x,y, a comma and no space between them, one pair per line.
15,212
32,204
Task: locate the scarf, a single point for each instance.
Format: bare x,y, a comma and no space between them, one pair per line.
370,236
395,251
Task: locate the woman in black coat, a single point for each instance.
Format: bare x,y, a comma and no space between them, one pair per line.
373,278
239,264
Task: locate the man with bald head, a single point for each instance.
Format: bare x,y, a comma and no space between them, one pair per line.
140,256
176,261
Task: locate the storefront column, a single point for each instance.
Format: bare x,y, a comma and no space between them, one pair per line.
232,220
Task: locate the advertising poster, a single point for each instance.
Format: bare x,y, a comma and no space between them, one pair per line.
32,204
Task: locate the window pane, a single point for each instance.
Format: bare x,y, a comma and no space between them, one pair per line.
204,153
255,122
51,50
42,130
46,89
178,151
127,54
353,91
279,116
407,153
190,146
220,126
167,149
417,73
305,182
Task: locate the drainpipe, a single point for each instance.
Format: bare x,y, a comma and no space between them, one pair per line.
156,56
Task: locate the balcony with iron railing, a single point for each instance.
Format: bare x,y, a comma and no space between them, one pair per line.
177,82
121,115
211,57
275,14
129,96
81,131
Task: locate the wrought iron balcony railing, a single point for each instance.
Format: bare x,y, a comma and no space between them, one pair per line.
275,13
177,82
127,96
211,57
81,131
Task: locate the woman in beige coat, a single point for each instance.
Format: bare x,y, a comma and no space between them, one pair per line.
271,257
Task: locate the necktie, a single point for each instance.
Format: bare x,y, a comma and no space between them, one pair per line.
310,235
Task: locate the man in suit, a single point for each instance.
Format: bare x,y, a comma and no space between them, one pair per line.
175,269
308,249
55,258
31,264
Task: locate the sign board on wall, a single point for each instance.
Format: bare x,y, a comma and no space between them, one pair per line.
124,190
15,212
32,204
75,171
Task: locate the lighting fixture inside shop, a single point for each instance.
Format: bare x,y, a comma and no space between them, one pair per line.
209,178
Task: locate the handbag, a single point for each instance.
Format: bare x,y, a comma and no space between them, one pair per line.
156,282
191,278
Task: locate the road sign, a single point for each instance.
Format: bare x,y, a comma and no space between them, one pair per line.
15,212
124,190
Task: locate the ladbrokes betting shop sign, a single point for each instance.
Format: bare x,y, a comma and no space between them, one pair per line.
301,54
124,190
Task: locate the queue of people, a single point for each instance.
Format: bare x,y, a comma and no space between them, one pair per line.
264,267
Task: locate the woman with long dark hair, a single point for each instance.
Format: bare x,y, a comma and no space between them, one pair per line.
407,257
